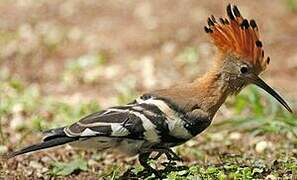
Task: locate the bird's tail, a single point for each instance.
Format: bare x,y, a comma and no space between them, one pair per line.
52,138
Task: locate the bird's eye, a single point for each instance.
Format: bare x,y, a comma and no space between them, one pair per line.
268,60
244,69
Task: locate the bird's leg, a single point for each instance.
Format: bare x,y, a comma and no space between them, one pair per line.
158,155
171,155
143,160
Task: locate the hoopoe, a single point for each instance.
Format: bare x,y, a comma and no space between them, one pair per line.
165,118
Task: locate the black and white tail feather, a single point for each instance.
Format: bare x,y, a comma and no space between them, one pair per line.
149,122
52,138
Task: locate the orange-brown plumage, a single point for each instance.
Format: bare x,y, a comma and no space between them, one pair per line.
239,37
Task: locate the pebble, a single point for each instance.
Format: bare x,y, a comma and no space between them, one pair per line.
270,177
168,48
92,162
45,159
35,165
261,146
191,143
111,71
217,137
235,136
3,149
17,121
17,108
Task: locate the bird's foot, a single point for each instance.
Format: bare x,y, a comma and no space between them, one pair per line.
143,159
171,155
149,171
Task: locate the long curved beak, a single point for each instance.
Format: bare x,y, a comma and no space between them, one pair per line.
259,82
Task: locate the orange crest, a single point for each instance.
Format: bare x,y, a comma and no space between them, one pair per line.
239,36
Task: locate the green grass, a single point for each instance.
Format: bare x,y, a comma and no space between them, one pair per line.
232,170
67,168
292,5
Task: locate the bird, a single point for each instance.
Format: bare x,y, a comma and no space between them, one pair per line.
161,119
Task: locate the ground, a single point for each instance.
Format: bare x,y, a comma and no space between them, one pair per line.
60,60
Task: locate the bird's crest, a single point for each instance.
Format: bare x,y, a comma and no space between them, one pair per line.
238,36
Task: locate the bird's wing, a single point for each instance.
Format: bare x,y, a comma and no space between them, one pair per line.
150,118
140,119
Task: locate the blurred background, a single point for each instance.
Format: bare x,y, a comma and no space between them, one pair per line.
60,60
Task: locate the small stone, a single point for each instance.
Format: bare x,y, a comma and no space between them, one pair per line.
17,122
45,159
92,162
28,172
44,170
41,172
261,146
235,136
17,108
111,71
191,143
3,149
92,75
36,165
169,48
217,137
39,175
270,177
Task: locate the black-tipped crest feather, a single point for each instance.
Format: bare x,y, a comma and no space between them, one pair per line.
253,24
229,12
236,11
213,19
210,23
245,24
222,21
259,44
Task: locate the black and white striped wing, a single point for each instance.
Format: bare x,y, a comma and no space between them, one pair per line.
135,121
153,119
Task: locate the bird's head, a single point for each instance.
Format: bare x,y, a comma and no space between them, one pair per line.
241,55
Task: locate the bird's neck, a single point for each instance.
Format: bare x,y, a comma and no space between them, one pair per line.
212,89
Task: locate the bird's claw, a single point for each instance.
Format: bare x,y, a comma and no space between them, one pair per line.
157,156
149,171
171,156
169,163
